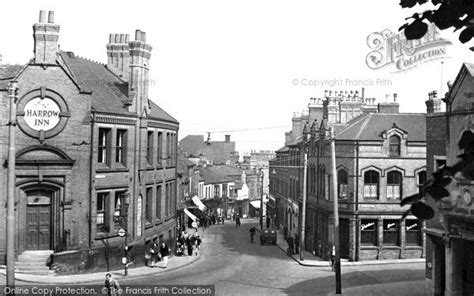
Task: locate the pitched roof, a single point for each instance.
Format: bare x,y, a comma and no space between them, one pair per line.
108,91
217,151
7,73
371,126
158,113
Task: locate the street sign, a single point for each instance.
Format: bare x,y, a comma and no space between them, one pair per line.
194,224
121,232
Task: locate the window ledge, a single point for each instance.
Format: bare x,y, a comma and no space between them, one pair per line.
148,225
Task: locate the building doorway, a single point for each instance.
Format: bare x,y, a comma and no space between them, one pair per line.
38,220
468,268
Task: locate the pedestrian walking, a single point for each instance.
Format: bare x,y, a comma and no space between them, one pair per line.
297,243
112,285
189,246
198,242
237,221
333,257
154,252
164,253
290,241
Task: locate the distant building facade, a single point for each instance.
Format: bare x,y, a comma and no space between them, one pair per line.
93,154
215,152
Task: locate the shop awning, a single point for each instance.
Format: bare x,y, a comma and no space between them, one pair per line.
255,204
190,215
199,203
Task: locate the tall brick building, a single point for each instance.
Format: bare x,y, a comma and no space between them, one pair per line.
380,157
93,153
450,234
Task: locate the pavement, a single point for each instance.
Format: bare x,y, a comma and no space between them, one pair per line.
308,260
173,264
311,260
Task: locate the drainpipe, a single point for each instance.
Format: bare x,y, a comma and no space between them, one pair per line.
91,179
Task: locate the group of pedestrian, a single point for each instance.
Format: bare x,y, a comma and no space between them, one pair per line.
188,244
159,253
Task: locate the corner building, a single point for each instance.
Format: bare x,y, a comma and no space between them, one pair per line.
93,154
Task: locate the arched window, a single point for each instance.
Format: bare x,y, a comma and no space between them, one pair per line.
394,142
371,185
342,184
394,185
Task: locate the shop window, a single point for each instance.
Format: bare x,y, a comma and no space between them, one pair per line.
368,232
101,219
342,184
391,232
148,204
103,151
394,142
394,185
413,234
120,147
149,147
371,185
158,202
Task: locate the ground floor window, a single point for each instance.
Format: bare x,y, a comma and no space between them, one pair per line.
368,232
413,233
101,211
391,232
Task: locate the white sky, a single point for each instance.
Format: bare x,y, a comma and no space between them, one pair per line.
230,65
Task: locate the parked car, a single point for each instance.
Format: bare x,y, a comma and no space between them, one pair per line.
268,236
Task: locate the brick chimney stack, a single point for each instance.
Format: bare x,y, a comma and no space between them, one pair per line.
140,53
46,35
118,55
433,104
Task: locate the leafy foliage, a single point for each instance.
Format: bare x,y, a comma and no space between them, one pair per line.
434,189
456,14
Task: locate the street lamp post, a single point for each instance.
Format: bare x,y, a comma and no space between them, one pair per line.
123,233
12,94
303,214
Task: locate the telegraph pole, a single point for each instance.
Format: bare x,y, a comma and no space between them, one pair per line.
261,200
12,94
303,214
337,260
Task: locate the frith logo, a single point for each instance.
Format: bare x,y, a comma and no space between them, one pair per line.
390,48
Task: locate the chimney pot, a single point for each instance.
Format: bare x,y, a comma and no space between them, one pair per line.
117,38
122,38
111,38
137,35
395,95
42,16
51,17
143,37
127,37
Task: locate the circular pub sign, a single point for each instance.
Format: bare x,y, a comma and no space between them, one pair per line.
42,113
